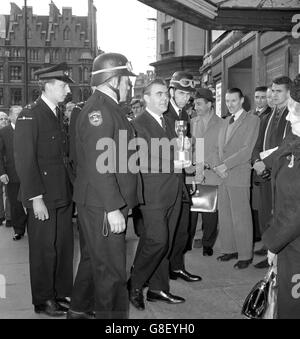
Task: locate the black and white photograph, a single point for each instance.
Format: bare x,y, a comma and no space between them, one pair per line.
150,162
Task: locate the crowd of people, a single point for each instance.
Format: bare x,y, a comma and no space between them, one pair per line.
52,156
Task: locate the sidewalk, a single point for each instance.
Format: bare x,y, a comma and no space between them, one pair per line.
219,295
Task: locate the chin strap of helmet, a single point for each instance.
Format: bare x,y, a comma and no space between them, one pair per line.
116,90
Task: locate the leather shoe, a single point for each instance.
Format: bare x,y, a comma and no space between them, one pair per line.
208,252
183,274
262,252
64,302
228,257
164,297
51,308
262,264
80,315
17,237
242,264
136,297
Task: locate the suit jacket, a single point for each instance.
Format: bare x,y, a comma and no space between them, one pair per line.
283,128
210,135
236,152
7,160
172,115
100,123
266,111
160,188
40,145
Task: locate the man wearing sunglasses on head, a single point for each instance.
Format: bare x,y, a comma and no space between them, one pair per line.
182,85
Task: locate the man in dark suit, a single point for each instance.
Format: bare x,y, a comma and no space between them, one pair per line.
162,189
261,110
41,161
273,129
182,85
8,174
104,192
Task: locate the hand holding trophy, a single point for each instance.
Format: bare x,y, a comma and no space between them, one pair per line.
182,158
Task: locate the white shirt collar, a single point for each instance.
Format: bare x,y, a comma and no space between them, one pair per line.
155,116
176,108
238,114
49,103
13,126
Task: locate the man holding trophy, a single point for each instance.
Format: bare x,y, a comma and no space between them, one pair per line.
182,85
162,194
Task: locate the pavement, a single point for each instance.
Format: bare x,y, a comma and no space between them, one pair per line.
219,295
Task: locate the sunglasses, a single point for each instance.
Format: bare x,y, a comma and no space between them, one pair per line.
186,82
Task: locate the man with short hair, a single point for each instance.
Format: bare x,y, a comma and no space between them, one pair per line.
182,85
236,142
41,158
104,195
136,107
207,126
273,130
8,174
162,201
261,102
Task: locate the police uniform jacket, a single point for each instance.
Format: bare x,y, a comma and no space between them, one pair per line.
40,154
101,121
7,160
283,235
160,187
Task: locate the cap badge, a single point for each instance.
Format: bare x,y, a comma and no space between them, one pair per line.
96,119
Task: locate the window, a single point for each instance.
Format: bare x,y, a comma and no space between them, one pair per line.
29,33
35,95
1,97
1,73
86,94
86,75
167,39
34,55
68,55
16,96
15,53
33,77
54,55
67,33
15,73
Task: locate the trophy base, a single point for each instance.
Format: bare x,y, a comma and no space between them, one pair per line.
182,163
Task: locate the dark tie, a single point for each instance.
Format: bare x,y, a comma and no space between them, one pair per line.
231,121
180,114
163,123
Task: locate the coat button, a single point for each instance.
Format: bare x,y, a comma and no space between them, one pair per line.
45,173
53,138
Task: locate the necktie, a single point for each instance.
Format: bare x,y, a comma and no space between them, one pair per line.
163,123
231,121
180,114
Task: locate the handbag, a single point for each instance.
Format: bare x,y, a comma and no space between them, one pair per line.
205,199
261,301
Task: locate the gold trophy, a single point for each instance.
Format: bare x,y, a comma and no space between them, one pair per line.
182,158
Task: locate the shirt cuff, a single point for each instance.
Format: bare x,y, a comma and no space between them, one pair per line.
38,197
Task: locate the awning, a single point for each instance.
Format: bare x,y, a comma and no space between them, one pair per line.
246,15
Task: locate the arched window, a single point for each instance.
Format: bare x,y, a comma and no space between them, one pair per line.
67,33
86,74
86,94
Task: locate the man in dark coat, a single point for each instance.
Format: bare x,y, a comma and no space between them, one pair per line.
162,193
273,129
41,161
8,174
104,191
283,235
182,85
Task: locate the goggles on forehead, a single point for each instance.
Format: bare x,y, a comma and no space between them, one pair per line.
128,67
186,82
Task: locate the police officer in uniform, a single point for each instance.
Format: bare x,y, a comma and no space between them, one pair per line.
182,85
104,195
41,157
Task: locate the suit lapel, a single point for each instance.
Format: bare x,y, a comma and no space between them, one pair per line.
236,126
46,109
155,126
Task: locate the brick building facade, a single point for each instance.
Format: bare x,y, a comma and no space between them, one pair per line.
52,39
